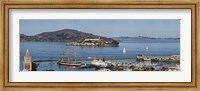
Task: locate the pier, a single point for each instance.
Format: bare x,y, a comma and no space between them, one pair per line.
158,58
89,59
173,58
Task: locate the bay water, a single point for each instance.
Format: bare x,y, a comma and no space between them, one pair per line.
54,50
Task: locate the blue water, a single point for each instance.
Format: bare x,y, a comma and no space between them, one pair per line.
45,50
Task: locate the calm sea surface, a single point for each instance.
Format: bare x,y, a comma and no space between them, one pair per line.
53,50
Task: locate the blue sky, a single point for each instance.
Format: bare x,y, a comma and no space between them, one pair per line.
107,28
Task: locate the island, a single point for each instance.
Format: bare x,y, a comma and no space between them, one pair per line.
71,37
96,42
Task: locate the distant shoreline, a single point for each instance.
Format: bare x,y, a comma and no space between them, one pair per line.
142,37
118,39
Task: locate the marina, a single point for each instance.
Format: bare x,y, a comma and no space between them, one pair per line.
113,65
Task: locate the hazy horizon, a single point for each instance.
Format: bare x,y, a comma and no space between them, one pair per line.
106,28
109,37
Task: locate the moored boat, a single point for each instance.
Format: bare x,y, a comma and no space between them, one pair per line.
69,64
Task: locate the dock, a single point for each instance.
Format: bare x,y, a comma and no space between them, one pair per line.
142,63
139,57
88,59
158,58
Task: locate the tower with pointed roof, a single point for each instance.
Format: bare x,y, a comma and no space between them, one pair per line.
27,61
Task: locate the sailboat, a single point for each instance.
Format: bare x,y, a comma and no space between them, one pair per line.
124,51
68,62
147,48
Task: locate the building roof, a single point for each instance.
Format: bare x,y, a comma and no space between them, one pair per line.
27,54
92,39
27,57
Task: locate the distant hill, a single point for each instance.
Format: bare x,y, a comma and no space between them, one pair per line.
64,35
140,37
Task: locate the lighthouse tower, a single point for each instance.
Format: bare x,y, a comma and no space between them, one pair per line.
27,61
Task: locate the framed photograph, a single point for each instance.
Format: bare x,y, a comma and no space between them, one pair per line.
110,45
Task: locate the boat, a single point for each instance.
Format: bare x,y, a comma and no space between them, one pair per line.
69,62
83,65
147,48
100,63
124,51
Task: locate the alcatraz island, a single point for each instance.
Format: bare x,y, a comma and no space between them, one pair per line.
72,38
93,42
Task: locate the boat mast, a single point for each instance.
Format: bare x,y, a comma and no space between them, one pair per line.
75,53
62,54
68,54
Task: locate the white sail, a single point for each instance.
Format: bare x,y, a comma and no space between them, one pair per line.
147,48
124,51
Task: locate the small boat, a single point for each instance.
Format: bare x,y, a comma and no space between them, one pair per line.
89,57
147,48
124,51
83,65
100,63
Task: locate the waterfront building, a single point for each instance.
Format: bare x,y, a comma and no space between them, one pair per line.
27,61
93,39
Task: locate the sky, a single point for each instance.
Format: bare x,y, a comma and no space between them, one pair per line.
108,28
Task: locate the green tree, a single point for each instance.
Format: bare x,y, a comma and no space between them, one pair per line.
34,66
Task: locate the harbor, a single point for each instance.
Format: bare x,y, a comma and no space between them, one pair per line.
114,64
143,56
